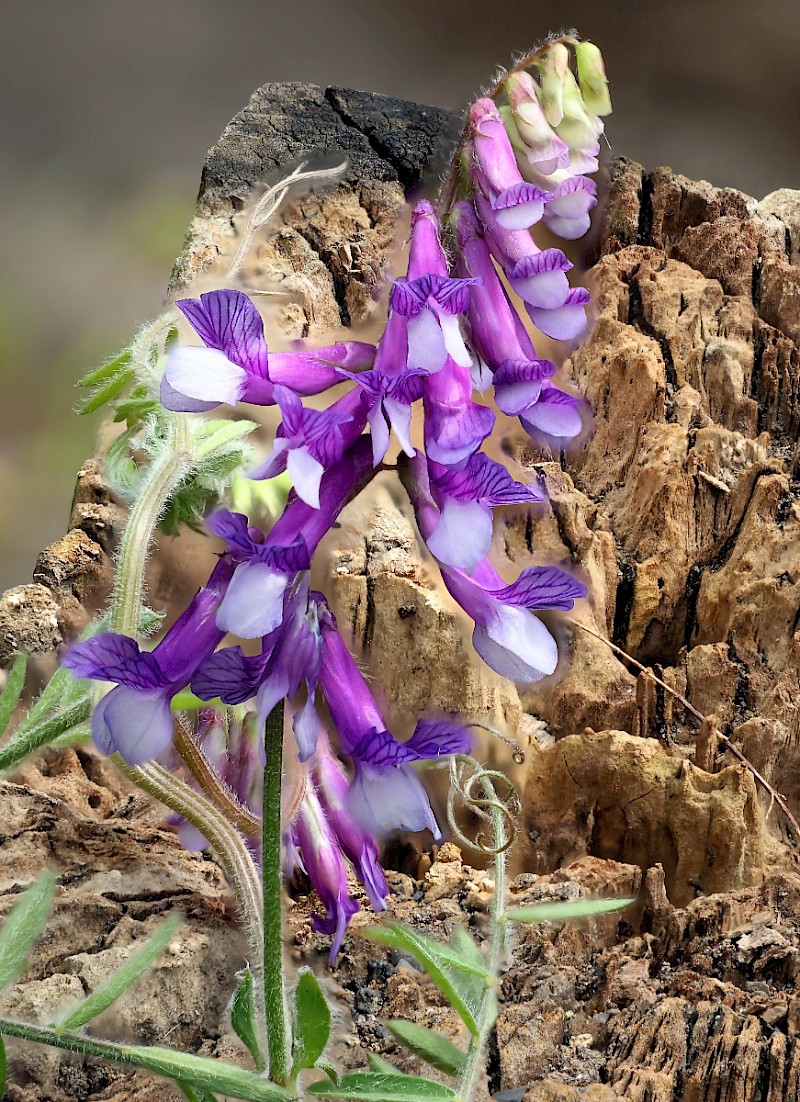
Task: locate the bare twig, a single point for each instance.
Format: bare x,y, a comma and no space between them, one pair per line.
775,796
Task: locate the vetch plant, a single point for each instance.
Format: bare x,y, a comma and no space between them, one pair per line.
233,738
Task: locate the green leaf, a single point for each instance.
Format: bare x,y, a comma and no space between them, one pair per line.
200,1073
377,1063
196,1094
136,964
564,911
107,370
23,925
107,393
330,1071
369,1086
243,1017
3,1067
311,1022
455,973
13,690
430,1046
220,435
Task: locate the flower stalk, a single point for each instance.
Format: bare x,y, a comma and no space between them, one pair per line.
272,896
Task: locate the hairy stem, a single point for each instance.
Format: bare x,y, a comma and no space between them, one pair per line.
29,739
225,840
272,888
212,784
160,479
476,1055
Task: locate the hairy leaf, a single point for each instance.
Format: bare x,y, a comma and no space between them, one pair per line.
455,973
430,1046
311,1018
107,393
243,1017
12,691
377,1063
107,370
196,1094
23,926
371,1086
564,911
136,964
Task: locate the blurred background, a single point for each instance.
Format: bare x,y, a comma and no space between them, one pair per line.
108,108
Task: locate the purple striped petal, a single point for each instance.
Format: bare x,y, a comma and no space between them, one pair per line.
520,206
540,280
518,383
452,295
482,479
228,320
542,587
113,657
435,738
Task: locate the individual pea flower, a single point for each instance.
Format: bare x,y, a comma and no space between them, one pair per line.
320,856
521,380
309,441
385,794
592,78
358,845
235,366
430,299
135,717
508,635
388,400
538,276
466,496
517,204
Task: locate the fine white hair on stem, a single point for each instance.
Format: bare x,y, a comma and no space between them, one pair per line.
268,204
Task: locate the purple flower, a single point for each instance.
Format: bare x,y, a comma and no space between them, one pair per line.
430,299
309,441
234,365
507,636
386,793
290,656
135,718
321,858
465,497
333,789
521,381
517,204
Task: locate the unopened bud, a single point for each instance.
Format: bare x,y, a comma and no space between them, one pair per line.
544,149
592,77
553,66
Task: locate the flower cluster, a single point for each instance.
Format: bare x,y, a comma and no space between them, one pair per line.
451,329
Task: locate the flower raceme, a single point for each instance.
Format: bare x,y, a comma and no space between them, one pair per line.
451,328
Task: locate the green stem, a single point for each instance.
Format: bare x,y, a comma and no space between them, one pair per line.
272,894
26,740
163,475
226,841
202,1071
476,1055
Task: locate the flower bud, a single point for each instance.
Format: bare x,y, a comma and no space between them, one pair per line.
545,150
592,77
553,65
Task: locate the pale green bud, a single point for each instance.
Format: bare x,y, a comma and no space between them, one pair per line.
553,66
592,77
